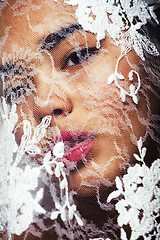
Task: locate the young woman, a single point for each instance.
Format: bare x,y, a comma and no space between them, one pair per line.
79,119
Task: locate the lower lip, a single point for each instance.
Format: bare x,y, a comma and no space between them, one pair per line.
79,151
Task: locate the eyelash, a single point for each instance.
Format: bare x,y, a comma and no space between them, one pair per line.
75,58
78,57
12,94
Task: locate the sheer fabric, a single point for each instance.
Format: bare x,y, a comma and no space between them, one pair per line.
79,119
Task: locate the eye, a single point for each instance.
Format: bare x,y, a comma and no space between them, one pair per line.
78,57
13,93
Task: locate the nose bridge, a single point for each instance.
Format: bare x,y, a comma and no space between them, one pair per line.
52,96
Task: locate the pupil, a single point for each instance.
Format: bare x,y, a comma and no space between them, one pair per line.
76,57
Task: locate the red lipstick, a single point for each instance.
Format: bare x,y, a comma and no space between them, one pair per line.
79,151
77,144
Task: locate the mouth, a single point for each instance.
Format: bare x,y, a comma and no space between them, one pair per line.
77,145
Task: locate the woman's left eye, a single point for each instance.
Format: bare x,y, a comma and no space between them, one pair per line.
79,57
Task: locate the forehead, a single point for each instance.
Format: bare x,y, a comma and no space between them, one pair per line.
26,22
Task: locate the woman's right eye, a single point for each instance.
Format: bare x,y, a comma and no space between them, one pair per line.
78,57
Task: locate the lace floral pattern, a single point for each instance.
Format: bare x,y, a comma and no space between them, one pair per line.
18,211
139,207
119,20
54,182
141,198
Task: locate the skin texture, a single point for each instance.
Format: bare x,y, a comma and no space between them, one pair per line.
81,92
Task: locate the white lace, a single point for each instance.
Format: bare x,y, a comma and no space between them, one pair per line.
17,210
135,200
117,18
141,198
139,206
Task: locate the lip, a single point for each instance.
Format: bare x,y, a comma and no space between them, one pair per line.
77,144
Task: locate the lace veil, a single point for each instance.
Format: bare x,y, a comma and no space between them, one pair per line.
79,119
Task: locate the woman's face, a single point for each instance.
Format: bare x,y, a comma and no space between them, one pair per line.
70,75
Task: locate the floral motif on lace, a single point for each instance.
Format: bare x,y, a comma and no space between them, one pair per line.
19,210
121,20
139,207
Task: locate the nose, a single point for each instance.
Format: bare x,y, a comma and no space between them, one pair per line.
51,102
55,106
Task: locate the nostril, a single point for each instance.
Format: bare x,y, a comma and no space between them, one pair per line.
57,112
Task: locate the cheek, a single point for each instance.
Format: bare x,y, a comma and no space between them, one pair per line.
94,88
103,100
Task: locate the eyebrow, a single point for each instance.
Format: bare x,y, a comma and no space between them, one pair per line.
48,43
5,69
55,38
10,67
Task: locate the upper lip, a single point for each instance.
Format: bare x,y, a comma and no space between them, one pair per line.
77,144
